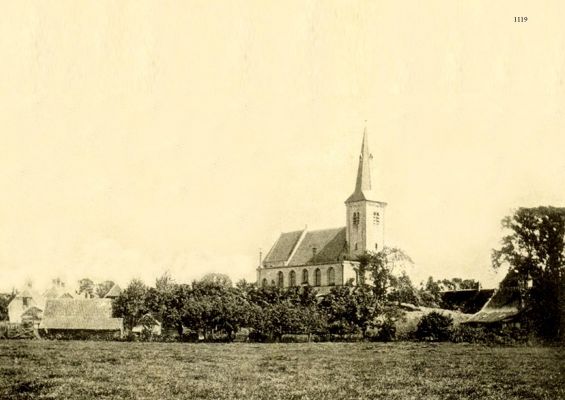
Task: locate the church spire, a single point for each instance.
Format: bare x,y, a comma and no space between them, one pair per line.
363,189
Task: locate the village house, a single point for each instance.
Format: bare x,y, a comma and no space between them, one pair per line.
25,299
326,258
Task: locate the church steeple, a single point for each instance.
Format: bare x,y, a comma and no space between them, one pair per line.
364,213
363,187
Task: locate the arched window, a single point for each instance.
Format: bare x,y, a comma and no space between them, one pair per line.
264,283
292,278
273,282
280,279
355,246
376,218
331,276
305,277
318,277
376,246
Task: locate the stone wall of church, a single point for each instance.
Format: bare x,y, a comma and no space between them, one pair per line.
342,272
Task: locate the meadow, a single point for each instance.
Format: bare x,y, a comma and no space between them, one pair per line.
121,370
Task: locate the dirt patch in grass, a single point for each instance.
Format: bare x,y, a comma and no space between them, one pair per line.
113,370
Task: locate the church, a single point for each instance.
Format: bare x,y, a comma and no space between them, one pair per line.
326,258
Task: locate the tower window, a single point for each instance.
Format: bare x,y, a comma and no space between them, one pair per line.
356,218
356,247
376,218
376,246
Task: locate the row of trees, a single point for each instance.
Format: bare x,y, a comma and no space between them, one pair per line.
213,306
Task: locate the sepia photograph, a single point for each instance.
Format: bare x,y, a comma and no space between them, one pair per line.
298,199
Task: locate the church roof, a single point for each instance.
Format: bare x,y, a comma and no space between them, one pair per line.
363,186
283,247
329,244
308,247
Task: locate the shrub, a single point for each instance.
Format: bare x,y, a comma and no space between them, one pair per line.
257,336
434,327
495,336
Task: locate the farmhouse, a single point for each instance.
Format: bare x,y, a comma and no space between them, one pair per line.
504,308
24,300
80,318
326,258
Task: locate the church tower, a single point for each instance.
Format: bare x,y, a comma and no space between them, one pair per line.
365,215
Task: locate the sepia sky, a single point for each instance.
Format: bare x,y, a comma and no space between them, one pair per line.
138,137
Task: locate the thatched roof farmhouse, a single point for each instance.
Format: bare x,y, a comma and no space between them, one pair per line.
80,318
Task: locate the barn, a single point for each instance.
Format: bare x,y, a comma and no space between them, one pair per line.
80,319
503,309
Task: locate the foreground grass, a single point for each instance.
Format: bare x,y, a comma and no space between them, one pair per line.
113,370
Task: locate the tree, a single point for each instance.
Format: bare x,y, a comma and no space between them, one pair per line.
340,308
403,291
434,327
102,288
430,294
533,249
131,303
220,279
5,299
165,283
86,287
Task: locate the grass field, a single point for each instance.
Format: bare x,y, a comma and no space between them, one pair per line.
104,370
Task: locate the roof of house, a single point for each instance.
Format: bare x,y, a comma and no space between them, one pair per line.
504,304
115,291
468,301
32,313
91,314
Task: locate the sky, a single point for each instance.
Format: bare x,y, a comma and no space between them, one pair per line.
139,137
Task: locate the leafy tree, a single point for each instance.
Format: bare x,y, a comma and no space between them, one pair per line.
533,249
215,278
5,299
131,303
102,288
430,294
372,299
403,291
86,287
340,309
165,283
434,327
